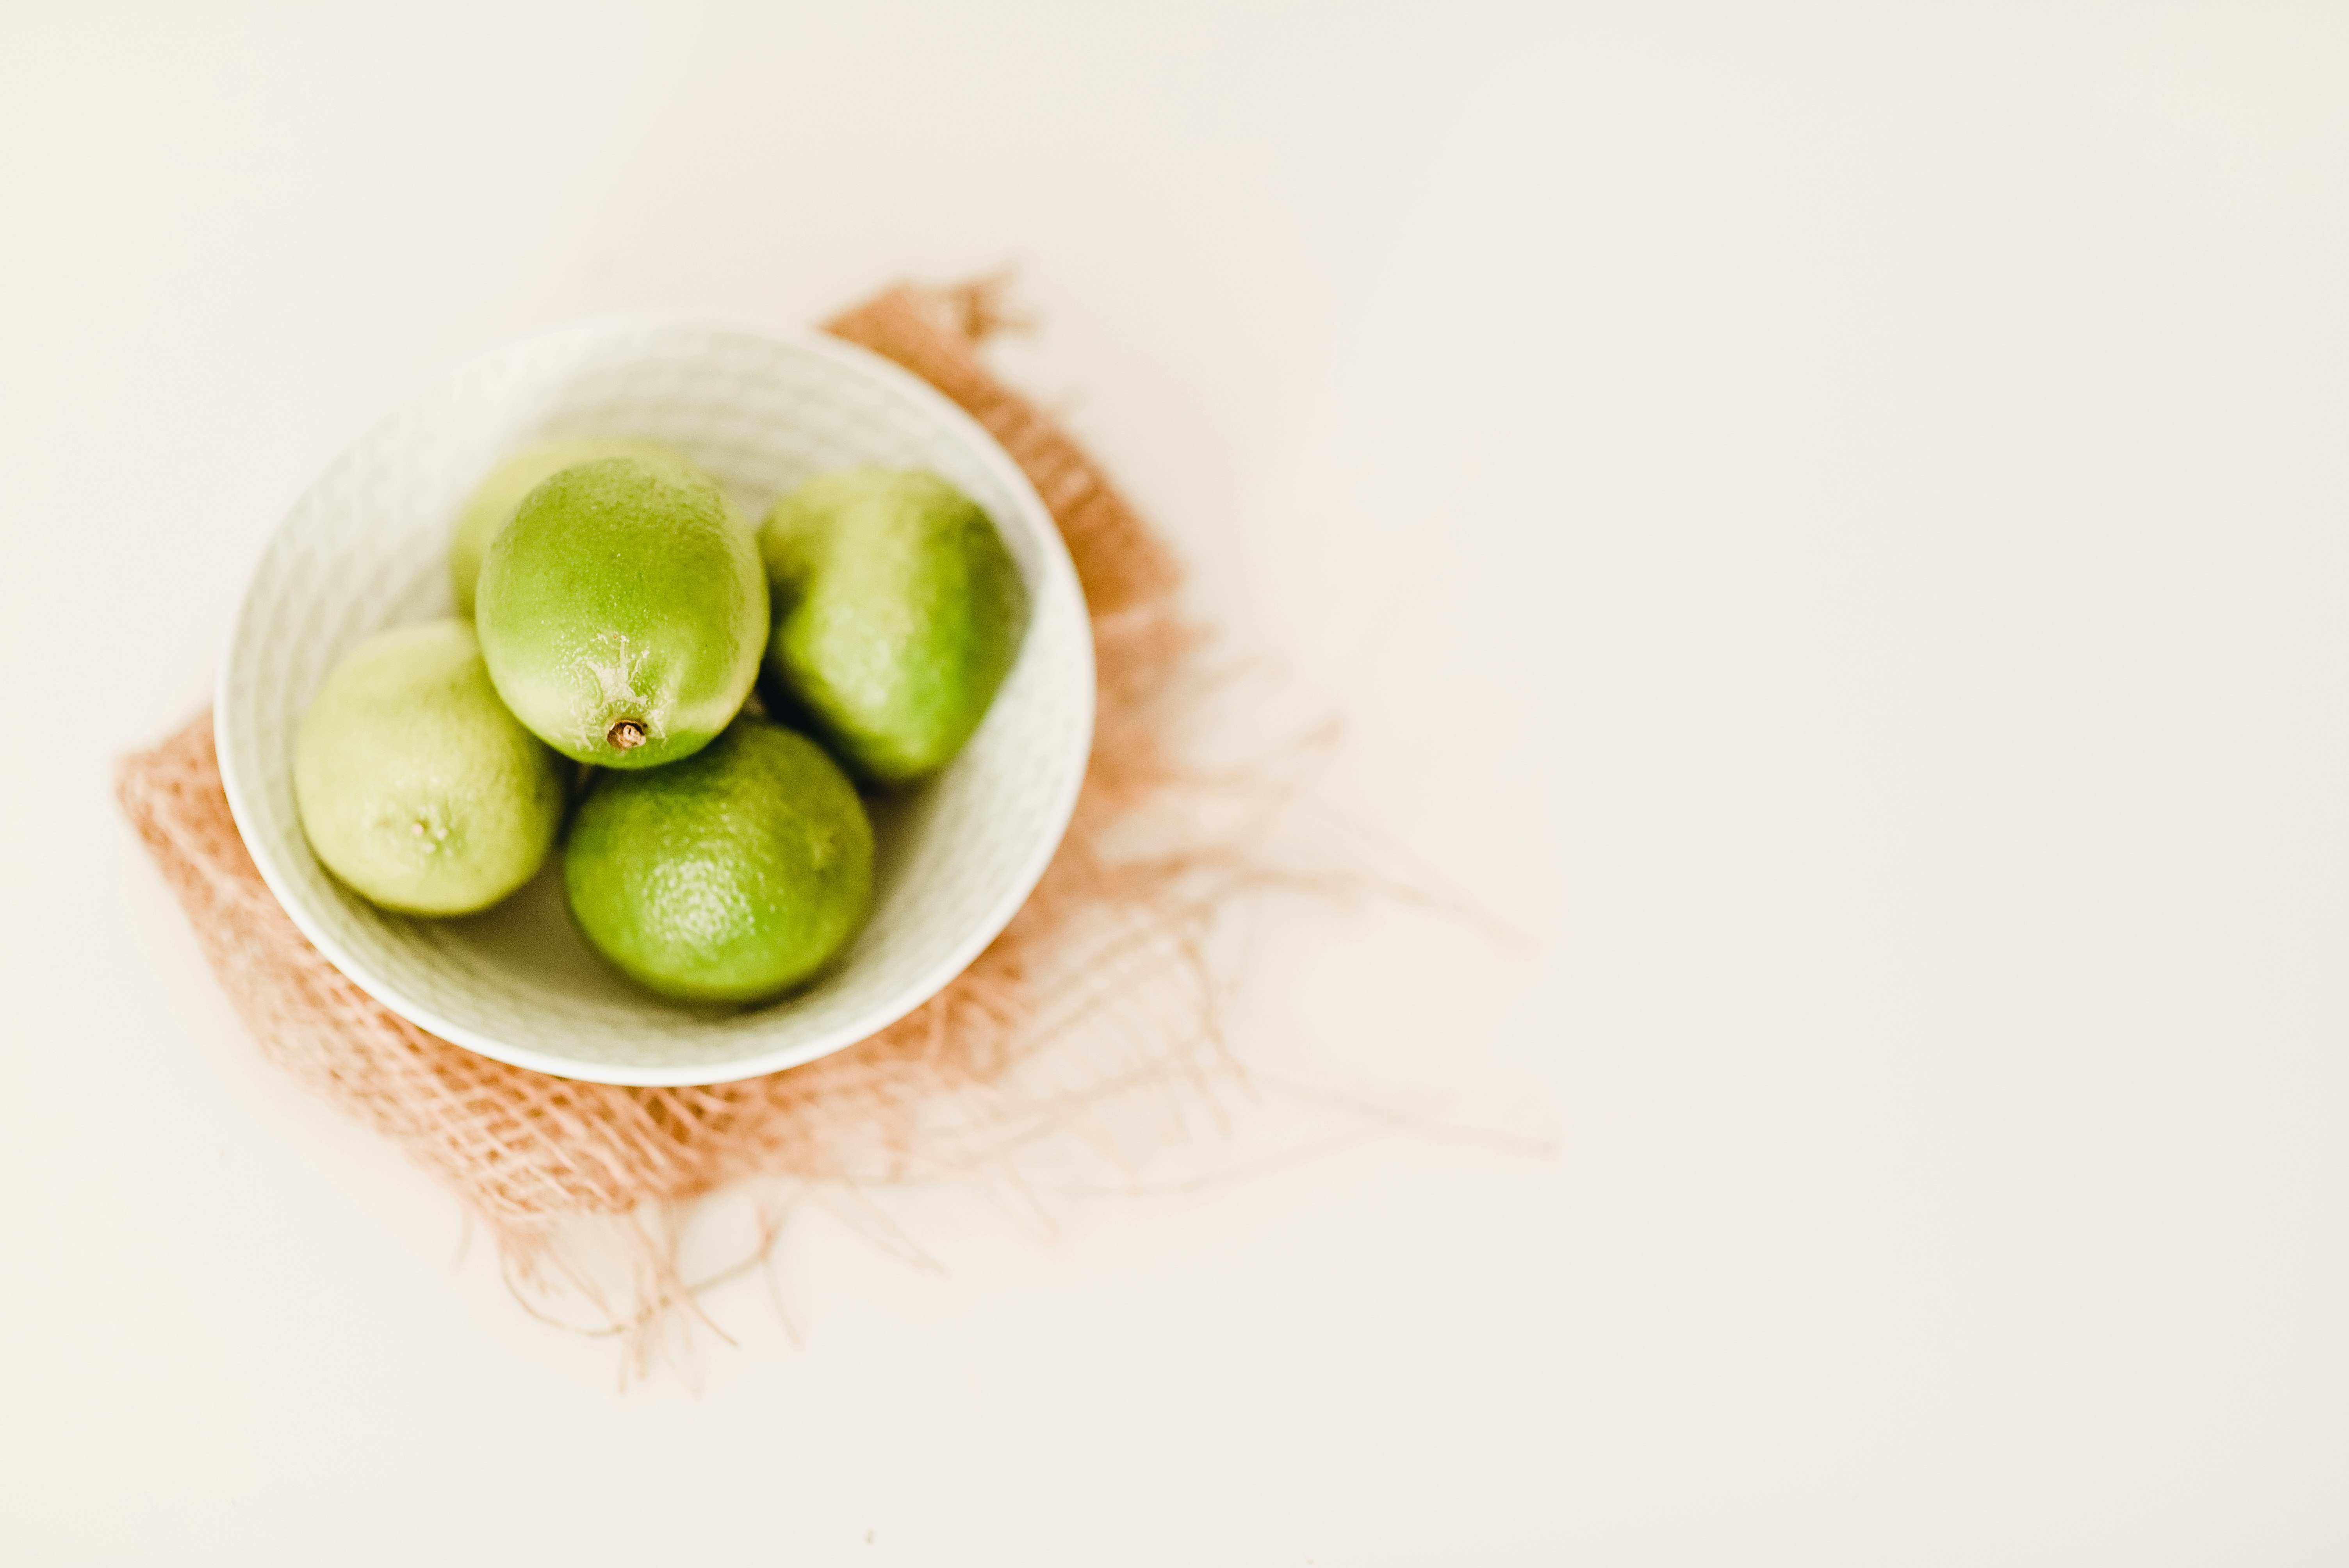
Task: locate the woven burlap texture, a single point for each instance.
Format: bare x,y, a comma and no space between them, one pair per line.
1098,986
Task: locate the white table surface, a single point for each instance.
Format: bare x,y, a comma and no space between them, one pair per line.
1829,525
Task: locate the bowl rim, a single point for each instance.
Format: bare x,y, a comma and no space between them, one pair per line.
1057,568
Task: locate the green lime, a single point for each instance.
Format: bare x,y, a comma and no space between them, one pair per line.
493,503
729,877
622,611
898,614
415,785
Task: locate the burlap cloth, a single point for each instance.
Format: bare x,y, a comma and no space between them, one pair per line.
1098,989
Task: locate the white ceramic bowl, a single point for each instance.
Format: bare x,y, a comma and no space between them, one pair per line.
365,547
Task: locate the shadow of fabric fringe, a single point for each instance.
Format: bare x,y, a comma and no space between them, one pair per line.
1099,990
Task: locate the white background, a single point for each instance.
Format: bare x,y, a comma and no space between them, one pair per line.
1827,523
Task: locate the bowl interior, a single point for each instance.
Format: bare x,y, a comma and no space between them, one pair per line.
364,547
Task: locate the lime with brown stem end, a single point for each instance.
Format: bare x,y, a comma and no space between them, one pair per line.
622,611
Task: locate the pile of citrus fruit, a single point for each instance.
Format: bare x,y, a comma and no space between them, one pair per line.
729,691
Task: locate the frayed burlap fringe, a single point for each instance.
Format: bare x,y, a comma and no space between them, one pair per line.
1097,990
